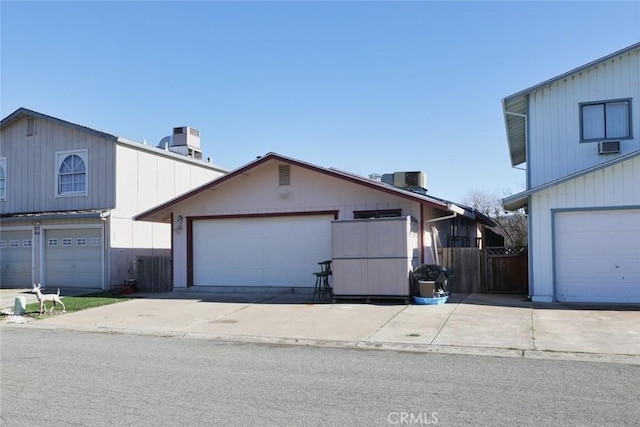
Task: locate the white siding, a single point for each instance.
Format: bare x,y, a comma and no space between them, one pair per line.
145,179
616,186
555,150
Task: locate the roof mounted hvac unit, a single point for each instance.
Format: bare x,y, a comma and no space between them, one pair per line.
410,179
609,147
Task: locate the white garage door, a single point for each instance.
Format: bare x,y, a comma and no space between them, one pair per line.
270,251
16,258
597,255
73,258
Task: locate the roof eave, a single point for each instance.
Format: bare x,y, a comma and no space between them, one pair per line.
160,213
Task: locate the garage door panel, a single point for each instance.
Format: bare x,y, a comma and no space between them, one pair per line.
269,251
16,258
73,257
597,255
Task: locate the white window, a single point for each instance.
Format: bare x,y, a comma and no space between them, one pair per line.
3,244
67,242
71,173
26,243
14,244
3,178
605,120
81,241
96,241
52,242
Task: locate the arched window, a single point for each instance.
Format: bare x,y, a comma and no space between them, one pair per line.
72,174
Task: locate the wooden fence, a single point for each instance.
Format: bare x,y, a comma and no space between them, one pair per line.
155,274
506,270
465,263
491,270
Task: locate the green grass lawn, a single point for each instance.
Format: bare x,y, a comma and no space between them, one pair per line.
78,303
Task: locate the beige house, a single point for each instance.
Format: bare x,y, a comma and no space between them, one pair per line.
68,194
269,223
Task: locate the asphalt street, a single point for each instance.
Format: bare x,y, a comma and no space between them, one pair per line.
57,377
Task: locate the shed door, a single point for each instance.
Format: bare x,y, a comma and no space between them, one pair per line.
73,258
16,259
269,251
597,255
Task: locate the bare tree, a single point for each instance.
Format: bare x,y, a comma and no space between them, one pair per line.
513,225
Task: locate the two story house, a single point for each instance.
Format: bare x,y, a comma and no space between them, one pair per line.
68,194
577,137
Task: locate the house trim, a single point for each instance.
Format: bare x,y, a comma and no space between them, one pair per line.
52,215
162,210
519,200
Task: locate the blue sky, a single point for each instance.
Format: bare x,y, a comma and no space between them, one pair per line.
366,87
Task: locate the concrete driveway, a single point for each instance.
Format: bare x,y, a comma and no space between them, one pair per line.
499,325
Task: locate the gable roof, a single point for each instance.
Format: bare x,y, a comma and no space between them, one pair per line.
517,201
22,112
162,213
515,107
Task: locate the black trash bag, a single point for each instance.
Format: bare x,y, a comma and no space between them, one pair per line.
430,273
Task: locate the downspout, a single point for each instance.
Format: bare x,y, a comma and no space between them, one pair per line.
106,251
421,233
457,210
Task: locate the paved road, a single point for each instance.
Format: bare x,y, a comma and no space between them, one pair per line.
93,379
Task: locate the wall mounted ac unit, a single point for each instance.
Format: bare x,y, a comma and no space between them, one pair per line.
609,147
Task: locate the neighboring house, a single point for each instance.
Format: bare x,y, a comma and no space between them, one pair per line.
578,136
269,223
68,194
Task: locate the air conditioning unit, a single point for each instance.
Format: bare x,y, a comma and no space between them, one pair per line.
609,147
410,179
186,135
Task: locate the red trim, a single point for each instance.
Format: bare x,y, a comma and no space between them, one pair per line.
272,156
267,215
189,252
173,255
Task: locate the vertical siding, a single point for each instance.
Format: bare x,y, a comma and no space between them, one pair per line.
616,186
31,168
555,150
145,179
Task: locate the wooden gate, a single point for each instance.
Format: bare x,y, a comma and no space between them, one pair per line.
506,270
465,265
491,270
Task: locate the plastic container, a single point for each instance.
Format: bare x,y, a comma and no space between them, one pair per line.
430,301
427,288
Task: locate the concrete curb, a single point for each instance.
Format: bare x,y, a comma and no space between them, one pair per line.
360,345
